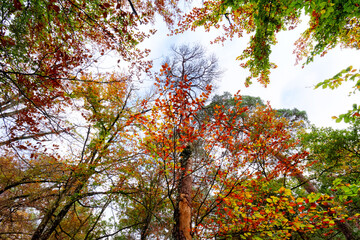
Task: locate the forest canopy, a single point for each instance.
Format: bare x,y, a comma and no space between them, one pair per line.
85,155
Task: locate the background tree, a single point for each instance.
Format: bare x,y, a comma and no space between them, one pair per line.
193,63
264,124
61,188
336,164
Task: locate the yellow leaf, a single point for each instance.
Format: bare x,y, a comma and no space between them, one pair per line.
287,192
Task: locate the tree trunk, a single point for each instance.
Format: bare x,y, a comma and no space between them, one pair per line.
51,220
182,211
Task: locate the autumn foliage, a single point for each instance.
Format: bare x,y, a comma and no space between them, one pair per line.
84,155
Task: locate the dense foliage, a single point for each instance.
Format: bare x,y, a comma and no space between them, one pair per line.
84,156
331,23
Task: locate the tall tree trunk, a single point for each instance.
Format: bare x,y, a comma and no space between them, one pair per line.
182,211
51,220
344,227
145,228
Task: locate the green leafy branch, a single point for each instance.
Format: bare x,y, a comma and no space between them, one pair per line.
348,74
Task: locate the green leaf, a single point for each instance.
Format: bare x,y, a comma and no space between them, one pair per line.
338,120
337,181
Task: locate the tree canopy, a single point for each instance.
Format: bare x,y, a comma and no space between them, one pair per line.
331,23
84,155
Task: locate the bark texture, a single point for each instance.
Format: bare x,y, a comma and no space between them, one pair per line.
182,212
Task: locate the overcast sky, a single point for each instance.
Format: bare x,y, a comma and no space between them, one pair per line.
291,86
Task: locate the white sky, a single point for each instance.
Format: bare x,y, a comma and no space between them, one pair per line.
290,87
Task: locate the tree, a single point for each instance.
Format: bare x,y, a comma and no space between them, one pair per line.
190,74
226,99
241,149
47,49
345,75
331,23
336,163
53,189
264,124
192,62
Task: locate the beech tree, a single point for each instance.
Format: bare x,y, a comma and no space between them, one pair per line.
331,23
264,143
334,150
240,149
238,182
261,126
189,65
46,46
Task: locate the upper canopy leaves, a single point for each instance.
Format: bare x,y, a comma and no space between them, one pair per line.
331,23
